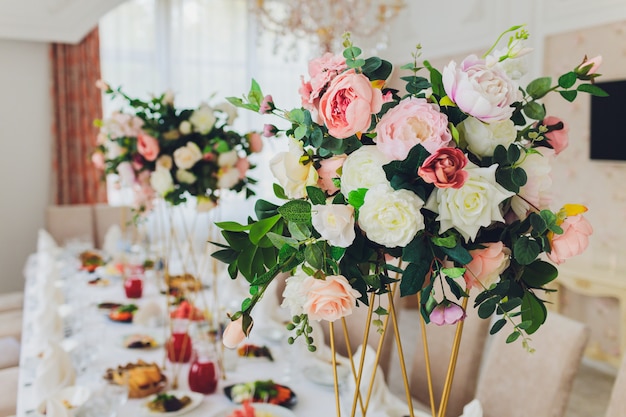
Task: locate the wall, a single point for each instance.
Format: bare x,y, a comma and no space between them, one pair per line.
25,158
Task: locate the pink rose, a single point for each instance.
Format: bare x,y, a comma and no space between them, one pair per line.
267,105
322,70
269,130
347,106
487,264
255,141
411,122
97,159
589,66
233,334
485,92
557,138
444,168
329,299
447,312
327,171
147,146
242,165
573,241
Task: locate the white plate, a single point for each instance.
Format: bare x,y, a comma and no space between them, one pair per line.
75,396
323,374
273,410
196,400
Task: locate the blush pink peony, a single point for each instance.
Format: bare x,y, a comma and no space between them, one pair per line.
329,299
447,312
487,264
327,171
322,70
573,241
147,146
444,168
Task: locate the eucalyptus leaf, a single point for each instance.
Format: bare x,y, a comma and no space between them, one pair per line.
499,324
535,110
533,310
569,95
298,211
567,80
525,250
539,88
592,89
279,240
316,195
261,227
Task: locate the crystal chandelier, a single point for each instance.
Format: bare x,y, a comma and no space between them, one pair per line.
324,21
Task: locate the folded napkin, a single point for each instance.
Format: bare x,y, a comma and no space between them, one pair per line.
473,409
55,371
112,244
55,408
45,242
47,324
149,314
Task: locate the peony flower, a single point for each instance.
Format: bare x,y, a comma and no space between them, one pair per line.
267,105
233,334
185,177
482,138
391,217
322,71
413,121
335,223
255,141
229,110
329,299
165,161
444,168
204,204
147,146
363,168
203,119
242,165
227,159
121,125
487,264
475,205
292,174
294,294
185,127
480,91
447,312
328,171
186,156
557,138
227,178
536,193
573,241
161,181
348,104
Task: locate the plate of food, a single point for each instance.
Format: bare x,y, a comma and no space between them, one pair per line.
266,391
255,410
108,306
140,341
172,403
90,260
99,282
254,351
142,378
123,313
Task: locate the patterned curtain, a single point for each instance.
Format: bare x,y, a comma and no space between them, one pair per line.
77,103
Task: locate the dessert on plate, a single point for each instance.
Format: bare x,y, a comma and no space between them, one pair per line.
142,378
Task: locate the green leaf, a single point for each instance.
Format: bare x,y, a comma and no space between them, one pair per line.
539,88
316,195
518,176
247,323
458,253
300,132
592,89
233,226
413,278
569,95
486,309
228,256
525,324
245,304
279,240
446,242
381,311
264,209
499,324
512,154
511,304
298,211
500,155
453,272
525,250
513,337
535,110
436,80
299,231
336,252
356,198
260,228
539,273
567,80
538,223
455,288
371,64
533,310
314,256
296,116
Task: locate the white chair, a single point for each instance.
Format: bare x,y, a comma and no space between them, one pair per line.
68,222
8,391
11,324
11,301
10,352
516,383
617,401
106,216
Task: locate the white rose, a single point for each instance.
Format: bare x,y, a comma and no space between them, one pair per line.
185,177
203,119
475,205
482,138
291,174
391,217
185,127
186,156
363,168
538,187
164,161
161,181
228,178
335,223
229,110
227,159
294,294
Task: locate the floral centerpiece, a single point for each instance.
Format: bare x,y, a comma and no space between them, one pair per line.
162,151
452,177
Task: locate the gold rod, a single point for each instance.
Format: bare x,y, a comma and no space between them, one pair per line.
357,391
346,335
331,328
376,361
452,365
429,375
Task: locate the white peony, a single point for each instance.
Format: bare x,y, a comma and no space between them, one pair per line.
293,175
294,294
184,127
391,217
538,188
186,156
363,168
475,205
185,177
229,110
335,223
165,161
482,138
227,159
161,181
203,119
227,178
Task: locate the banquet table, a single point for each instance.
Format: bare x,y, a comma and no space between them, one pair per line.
105,337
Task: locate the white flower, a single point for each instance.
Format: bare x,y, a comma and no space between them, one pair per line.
185,177
126,173
482,138
185,127
335,223
161,181
203,119
363,168
293,175
294,294
475,205
186,156
391,217
229,110
537,190
114,150
228,178
164,161
227,159
515,65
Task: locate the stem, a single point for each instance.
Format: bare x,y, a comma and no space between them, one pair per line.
511,29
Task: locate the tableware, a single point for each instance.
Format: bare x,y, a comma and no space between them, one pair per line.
259,389
323,374
140,341
71,397
271,410
255,351
133,286
123,313
179,346
203,372
196,400
107,306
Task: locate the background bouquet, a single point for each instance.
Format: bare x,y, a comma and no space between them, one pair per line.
173,153
452,178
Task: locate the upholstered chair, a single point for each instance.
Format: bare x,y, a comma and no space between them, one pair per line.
11,301
8,390
106,216
617,401
68,222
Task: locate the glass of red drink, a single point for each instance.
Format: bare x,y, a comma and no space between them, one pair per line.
133,286
203,372
179,346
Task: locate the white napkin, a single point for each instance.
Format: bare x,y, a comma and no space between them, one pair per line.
45,242
46,290
112,240
55,371
473,409
47,324
55,408
149,314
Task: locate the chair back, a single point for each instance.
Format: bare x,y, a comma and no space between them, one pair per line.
617,401
67,222
106,216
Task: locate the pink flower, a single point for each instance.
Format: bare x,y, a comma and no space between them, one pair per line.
573,241
267,105
347,106
233,334
255,141
126,173
487,264
479,90
322,70
327,171
589,66
103,86
444,168
242,165
557,138
329,299
147,146
447,312
97,158
269,130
